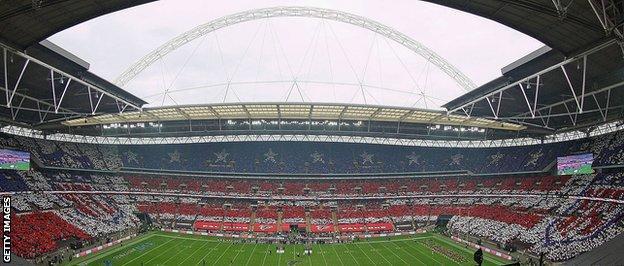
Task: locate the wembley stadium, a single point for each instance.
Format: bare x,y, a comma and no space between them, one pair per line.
435,132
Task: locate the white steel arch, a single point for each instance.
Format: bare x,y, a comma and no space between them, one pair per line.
292,11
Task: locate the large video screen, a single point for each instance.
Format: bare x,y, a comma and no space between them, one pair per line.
16,160
575,164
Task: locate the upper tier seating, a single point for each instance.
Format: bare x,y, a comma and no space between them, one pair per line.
304,157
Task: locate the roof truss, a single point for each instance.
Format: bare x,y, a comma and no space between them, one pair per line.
293,111
18,84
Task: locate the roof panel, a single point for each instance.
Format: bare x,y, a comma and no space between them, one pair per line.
315,111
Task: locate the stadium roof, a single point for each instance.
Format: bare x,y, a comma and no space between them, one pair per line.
293,111
566,26
570,27
548,90
46,83
579,76
24,23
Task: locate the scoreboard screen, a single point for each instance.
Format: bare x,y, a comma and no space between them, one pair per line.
14,160
575,164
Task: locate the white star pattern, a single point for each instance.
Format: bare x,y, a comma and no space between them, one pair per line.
221,156
366,157
269,156
535,156
132,157
495,158
413,158
317,157
174,157
456,159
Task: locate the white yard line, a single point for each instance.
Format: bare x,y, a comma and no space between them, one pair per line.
163,253
384,246
265,254
388,241
225,251
237,253
146,253
191,238
366,255
323,254
354,259
113,250
194,252
379,254
415,256
337,255
310,259
164,262
252,254
211,250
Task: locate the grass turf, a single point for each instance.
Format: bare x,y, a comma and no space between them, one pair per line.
160,248
22,166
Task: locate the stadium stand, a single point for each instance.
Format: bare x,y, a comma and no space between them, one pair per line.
500,219
533,210
344,158
507,195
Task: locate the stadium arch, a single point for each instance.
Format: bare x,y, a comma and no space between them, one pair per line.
294,11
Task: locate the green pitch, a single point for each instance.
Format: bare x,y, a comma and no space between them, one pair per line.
584,169
160,248
16,166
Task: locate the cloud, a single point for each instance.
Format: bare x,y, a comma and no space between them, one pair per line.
332,61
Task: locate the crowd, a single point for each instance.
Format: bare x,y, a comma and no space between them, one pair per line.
558,226
547,223
530,209
38,233
288,157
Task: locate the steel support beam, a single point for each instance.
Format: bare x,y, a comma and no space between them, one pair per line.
584,81
97,104
565,74
608,102
90,98
599,110
62,96
537,86
604,118
604,129
53,86
65,74
535,75
6,72
550,106
15,111
526,99
64,110
19,79
573,120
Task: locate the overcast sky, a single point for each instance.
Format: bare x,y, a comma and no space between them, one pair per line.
260,59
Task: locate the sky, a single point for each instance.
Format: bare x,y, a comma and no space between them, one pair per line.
296,59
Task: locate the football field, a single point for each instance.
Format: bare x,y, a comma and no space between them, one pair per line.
23,166
160,248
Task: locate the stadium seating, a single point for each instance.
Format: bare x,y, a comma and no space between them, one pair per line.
286,158
531,209
38,232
